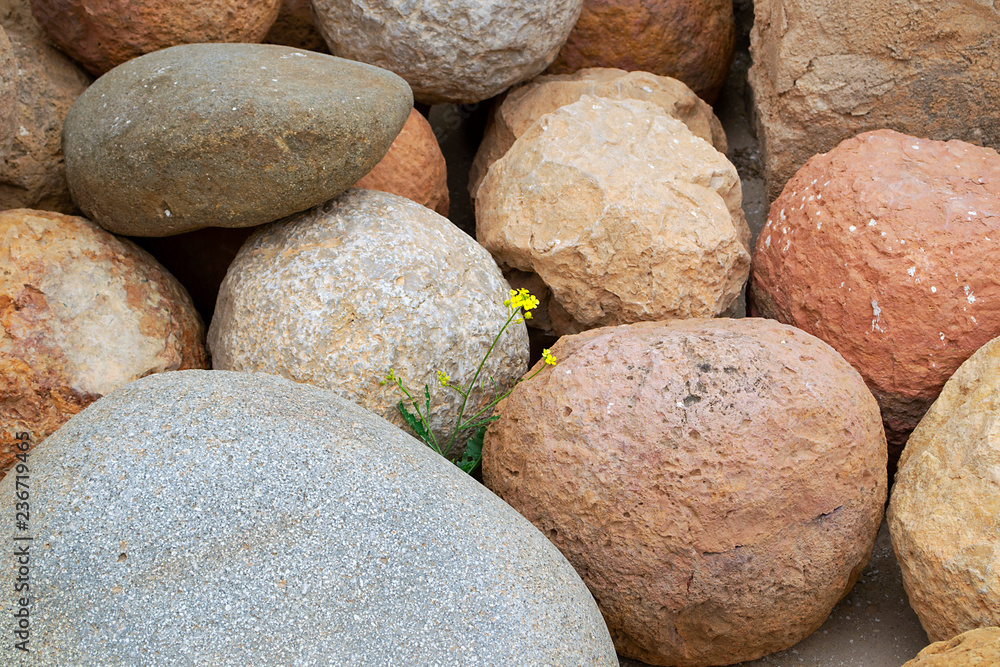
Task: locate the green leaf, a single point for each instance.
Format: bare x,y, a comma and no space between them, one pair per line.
417,424
473,454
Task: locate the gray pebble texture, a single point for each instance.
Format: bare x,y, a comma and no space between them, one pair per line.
215,518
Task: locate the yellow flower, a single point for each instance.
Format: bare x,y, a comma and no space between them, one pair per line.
443,378
391,377
523,299
549,358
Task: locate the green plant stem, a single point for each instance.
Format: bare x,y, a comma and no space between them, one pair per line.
434,444
493,403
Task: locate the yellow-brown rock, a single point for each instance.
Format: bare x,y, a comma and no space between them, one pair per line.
942,516
8,92
525,104
975,648
413,168
82,313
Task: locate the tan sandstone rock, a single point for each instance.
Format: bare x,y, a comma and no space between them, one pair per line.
339,294
975,648
82,313
8,93
525,104
413,168
690,40
826,70
718,484
295,27
623,213
886,248
944,505
101,34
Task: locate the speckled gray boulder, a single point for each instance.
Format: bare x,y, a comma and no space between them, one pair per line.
235,519
226,135
338,295
450,50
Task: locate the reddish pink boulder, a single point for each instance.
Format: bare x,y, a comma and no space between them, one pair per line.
886,248
718,484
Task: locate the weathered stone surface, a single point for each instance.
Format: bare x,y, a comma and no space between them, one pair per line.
525,104
944,503
82,313
886,248
340,294
718,484
826,70
413,168
623,213
101,34
226,135
295,27
690,40
235,519
975,648
460,51
8,93
32,173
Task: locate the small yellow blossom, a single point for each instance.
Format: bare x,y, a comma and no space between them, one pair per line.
523,299
391,377
443,378
549,358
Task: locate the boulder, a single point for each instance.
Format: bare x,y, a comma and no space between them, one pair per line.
885,248
690,40
236,519
229,135
339,295
942,515
975,648
718,484
460,51
623,213
82,313
522,106
295,27
413,168
8,92
101,34
826,70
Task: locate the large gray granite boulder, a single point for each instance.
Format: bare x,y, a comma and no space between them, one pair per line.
213,518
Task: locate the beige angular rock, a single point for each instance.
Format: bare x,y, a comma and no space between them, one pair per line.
623,213
718,484
82,313
338,295
460,51
942,515
413,168
826,70
295,27
975,648
8,93
525,104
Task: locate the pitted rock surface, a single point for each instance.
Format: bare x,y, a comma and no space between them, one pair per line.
340,294
975,648
522,106
295,27
460,51
718,484
226,135
942,516
826,70
690,40
622,212
885,248
82,313
413,168
8,92
173,512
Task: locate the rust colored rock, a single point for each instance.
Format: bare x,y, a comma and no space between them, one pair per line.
975,648
295,27
942,516
690,40
101,34
544,94
413,168
886,248
718,484
82,313
622,212
826,70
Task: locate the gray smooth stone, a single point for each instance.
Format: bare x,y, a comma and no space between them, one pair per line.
218,518
226,135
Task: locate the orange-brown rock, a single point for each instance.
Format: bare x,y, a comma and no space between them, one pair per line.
8,92
886,248
718,484
690,40
100,34
82,313
525,104
295,27
413,168
975,648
